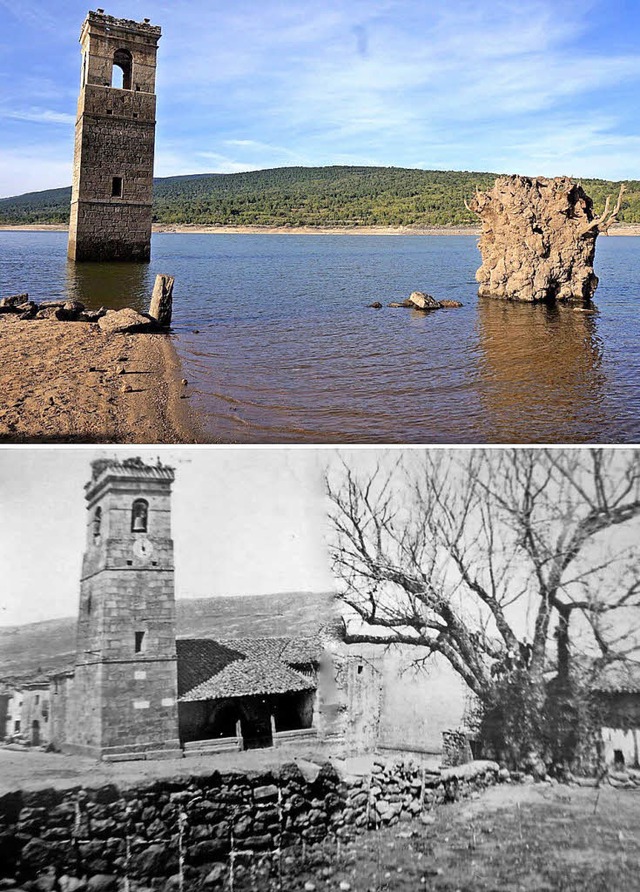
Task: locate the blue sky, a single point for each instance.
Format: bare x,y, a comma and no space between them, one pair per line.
535,86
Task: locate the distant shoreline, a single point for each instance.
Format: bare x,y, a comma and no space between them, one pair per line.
197,229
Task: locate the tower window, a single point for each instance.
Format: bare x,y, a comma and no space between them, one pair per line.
97,522
122,65
116,187
139,516
139,642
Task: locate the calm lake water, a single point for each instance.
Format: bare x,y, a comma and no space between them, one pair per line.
278,343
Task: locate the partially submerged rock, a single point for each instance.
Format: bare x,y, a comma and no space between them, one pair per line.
538,239
420,300
424,301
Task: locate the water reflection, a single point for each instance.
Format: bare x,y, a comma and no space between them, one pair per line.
541,375
112,285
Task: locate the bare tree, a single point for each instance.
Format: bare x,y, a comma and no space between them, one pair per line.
488,557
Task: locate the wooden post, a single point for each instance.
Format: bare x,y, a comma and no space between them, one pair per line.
162,300
273,729
239,735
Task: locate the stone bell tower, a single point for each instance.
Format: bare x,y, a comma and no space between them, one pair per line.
123,703
111,198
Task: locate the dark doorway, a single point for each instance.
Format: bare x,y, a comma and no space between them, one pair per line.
223,722
256,731
35,732
293,711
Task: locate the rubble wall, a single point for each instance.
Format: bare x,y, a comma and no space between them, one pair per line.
196,830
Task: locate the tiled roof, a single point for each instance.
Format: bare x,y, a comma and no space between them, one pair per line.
293,651
301,651
621,677
209,669
250,678
200,658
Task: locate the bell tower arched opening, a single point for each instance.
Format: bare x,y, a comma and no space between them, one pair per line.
122,69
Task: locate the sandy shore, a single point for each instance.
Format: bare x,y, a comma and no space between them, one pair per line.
70,382
616,229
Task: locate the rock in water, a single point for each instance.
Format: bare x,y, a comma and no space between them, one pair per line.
162,300
538,239
423,301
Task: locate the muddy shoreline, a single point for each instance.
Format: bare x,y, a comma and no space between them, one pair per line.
69,382
632,229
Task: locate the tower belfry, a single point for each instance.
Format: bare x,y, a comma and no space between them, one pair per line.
111,198
125,684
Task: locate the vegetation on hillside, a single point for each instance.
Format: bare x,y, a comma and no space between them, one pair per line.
310,196
30,650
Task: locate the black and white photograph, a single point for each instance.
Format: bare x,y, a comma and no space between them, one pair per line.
296,669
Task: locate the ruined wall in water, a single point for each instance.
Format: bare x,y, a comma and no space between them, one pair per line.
538,239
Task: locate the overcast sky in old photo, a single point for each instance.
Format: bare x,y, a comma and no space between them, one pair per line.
244,521
534,87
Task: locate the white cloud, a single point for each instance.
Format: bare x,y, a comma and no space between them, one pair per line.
466,84
40,116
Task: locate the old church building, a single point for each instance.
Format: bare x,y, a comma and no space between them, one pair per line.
138,690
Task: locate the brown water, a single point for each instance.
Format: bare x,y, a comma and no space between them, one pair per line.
278,343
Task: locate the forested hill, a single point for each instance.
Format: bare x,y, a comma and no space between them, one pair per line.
310,196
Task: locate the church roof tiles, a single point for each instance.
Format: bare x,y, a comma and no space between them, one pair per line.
210,669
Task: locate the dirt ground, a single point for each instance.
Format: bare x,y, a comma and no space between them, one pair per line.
28,769
513,838
71,382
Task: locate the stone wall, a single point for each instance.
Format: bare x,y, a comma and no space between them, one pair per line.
191,833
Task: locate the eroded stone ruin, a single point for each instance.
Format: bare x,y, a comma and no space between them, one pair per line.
538,239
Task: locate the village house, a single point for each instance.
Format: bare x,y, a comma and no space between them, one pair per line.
617,690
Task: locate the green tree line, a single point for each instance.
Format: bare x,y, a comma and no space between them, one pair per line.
311,196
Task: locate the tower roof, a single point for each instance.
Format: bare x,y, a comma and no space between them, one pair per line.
130,470
99,19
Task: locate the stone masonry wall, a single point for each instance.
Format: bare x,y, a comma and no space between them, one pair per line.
115,134
199,832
